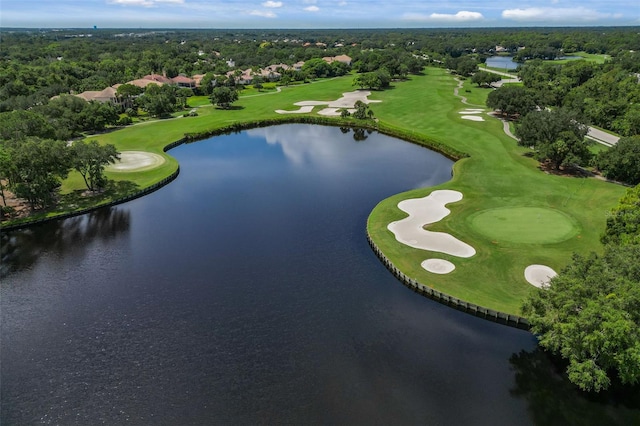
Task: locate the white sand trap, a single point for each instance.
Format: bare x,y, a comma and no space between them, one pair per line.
136,161
310,103
348,101
438,266
472,117
301,110
423,211
334,112
471,111
539,275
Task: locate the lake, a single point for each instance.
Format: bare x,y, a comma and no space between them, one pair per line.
245,292
506,62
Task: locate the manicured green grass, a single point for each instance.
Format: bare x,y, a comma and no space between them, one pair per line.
496,175
475,95
198,101
597,148
591,57
524,225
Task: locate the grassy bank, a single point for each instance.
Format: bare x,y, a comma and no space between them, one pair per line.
498,174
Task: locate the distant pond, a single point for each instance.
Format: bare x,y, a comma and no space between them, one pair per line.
507,62
245,292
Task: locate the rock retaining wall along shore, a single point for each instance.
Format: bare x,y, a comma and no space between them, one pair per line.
461,305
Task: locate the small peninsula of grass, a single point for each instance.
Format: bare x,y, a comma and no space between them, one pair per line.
496,175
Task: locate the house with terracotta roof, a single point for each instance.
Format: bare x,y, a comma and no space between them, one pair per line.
144,82
198,79
103,96
184,82
340,58
158,78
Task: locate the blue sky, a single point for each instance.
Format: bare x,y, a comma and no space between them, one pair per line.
315,13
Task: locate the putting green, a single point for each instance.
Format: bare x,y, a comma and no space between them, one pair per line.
529,225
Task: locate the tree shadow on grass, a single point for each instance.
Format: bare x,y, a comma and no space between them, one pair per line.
231,108
553,400
82,199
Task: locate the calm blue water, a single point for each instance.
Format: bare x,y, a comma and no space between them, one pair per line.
507,63
245,292
504,62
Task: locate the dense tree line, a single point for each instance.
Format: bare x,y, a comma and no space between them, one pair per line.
622,161
590,313
36,65
605,95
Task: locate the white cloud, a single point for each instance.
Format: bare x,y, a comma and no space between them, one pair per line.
550,14
462,16
312,8
273,4
342,3
145,3
263,13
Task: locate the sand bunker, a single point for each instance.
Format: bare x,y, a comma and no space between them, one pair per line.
539,275
347,101
135,161
471,111
334,111
424,211
472,117
438,266
302,109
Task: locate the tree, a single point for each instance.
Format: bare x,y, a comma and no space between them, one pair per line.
223,96
556,136
20,124
159,101
127,93
39,165
96,116
362,111
367,80
590,313
511,100
621,162
5,171
90,159
207,83
623,222
483,78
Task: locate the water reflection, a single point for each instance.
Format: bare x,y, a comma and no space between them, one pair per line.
21,249
300,144
553,400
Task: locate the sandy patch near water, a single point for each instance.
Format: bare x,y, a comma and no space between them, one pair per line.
347,101
424,211
135,161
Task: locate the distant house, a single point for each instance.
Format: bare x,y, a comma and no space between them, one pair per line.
184,82
340,58
143,82
269,75
103,96
158,78
275,68
298,65
198,79
245,78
